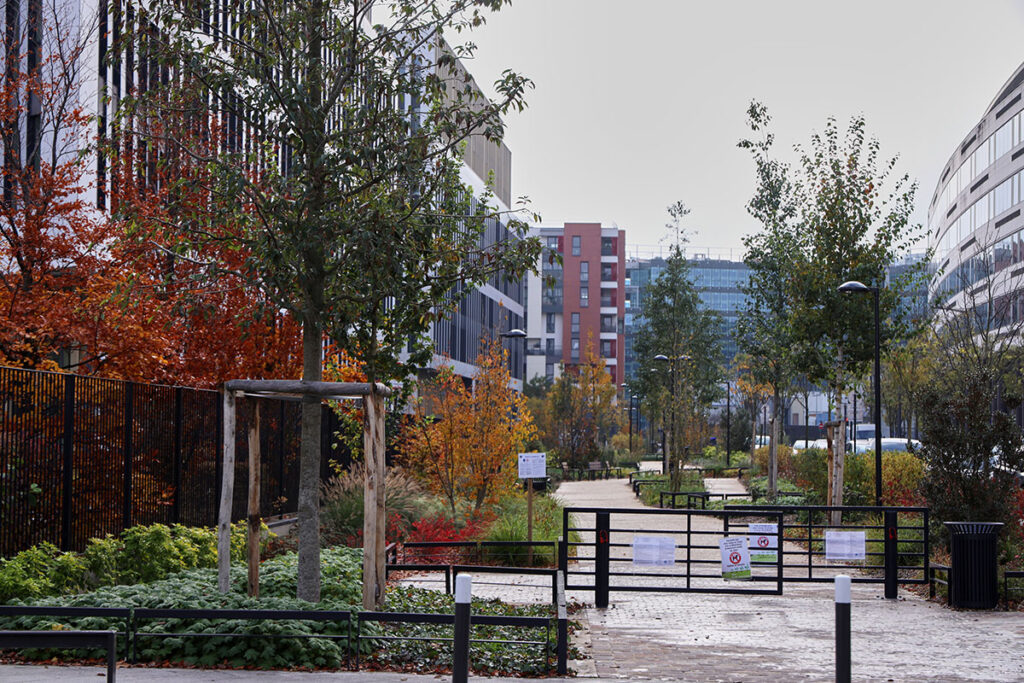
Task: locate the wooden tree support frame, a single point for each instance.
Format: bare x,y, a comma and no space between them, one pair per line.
374,501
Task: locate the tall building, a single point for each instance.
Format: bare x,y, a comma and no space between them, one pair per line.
718,275
579,302
975,226
104,78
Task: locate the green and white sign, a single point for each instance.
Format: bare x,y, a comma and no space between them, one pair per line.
764,542
735,558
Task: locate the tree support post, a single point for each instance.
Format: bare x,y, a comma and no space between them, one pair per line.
227,492
253,537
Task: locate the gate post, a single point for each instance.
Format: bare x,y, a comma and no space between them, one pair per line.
892,556
601,559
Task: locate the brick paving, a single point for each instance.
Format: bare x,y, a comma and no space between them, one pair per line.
713,637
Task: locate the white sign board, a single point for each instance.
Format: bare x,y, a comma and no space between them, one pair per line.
533,465
764,542
657,551
844,545
735,557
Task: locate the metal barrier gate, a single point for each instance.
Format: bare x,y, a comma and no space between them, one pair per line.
605,558
891,533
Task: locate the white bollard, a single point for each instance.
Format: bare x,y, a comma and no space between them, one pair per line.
842,629
460,663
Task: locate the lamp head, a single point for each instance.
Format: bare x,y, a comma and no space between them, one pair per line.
515,333
661,357
854,286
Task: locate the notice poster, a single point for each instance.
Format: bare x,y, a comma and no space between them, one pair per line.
654,551
533,465
735,557
844,545
764,542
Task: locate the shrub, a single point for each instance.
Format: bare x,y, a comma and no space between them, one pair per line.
511,525
341,515
783,456
40,571
902,474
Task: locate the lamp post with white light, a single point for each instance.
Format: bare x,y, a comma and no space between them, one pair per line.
854,287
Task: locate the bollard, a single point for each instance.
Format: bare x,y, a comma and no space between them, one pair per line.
562,650
460,663
842,629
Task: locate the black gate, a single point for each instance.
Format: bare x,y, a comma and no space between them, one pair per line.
896,542
605,555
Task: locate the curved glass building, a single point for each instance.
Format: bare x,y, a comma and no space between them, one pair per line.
975,221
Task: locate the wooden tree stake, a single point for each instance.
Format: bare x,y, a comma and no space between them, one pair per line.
253,540
227,492
374,502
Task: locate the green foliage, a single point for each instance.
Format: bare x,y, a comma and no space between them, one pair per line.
139,554
197,589
511,525
40,571
971,453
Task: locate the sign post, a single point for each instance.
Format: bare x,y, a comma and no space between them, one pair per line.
531,466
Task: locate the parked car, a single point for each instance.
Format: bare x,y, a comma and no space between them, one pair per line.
803,444
888,444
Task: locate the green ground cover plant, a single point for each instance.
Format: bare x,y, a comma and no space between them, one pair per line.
139,554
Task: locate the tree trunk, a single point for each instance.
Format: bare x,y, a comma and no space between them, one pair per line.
253,537
753,435
374,502
309,470
838,465
773,452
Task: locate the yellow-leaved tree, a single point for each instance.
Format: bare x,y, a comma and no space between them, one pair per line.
464,442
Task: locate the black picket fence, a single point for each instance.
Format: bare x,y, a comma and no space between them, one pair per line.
82,457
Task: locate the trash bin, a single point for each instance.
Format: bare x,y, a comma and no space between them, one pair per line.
975,581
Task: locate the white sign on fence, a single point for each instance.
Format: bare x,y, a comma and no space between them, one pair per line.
764,542
735,557
844,545
654,551
533,465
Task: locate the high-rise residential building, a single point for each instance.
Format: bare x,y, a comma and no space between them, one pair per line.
577,303
975,221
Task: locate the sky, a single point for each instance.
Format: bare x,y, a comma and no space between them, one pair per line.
640,103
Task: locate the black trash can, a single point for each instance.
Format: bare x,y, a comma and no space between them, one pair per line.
973,553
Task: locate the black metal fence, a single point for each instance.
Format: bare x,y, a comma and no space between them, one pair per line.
82,456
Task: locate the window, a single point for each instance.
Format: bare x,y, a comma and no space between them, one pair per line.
575,245
553,243
575,326
550,345
585,271
550,327
607,246
607,350
574,349
607,323
584,297
629,300
549,370
608,272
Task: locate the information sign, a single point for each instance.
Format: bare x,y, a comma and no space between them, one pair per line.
764,542
844,545
533,465
657,551
735,557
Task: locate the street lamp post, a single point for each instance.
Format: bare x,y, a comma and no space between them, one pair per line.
728,429
517,333
853,286
627,395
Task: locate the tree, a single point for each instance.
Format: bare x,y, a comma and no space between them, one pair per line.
676,326
339,184
850,227
906,370
464,442
581,406
765,326
751,392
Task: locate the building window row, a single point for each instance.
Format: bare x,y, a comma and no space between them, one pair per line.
1007,252
997,145
999,200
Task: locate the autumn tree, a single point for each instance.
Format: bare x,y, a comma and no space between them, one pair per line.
464,441
581,409
340,184
751,392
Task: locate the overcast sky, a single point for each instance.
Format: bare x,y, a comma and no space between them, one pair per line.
639,103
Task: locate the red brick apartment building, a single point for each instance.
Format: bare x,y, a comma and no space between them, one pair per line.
580,302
